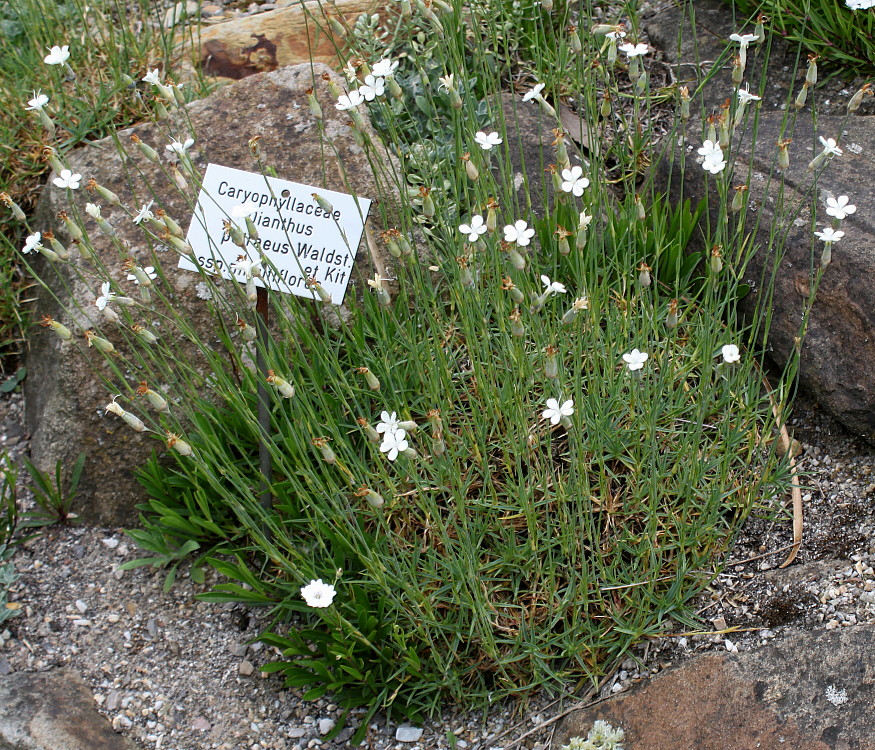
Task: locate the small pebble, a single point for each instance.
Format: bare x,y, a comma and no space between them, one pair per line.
408,734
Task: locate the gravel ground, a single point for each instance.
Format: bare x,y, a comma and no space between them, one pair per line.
172,672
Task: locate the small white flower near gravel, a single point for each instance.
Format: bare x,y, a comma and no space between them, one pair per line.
835,696
408,734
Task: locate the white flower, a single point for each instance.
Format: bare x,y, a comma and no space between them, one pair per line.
828,234
615,35
584,220
148,270
349,71
58,55
318,594
730,353
178,148
555,411
634,50
474,229
38,102
144,213
152,77
860,4
203,291
744,95
372,87
33,242
573,181
535,93
552,287
714,161
349,101
840,207
394,443
67,180
388,423
248,266
487,140
743,39
635,359
243,210
105,296
384,67
830,146
93,210
519,232
447,82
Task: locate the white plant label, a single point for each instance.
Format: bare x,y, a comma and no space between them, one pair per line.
298,239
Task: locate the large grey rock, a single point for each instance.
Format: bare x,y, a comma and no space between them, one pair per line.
53,711
841,332
840,336
65,397
810,691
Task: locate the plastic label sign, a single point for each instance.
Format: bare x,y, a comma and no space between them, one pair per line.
298,239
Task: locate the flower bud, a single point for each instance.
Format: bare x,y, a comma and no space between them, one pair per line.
639,208
760,28
373,498
327,454
59,249
738,199
247,332
155,399
857,99
178,178
783,154
574,41
516,326
826,255
61,331
286,389
323,203
372,434
171,225
7,201
716,259
671,319
133,421
150,153
144,333
320,290
98,343
370,378
313,103
685,104
811,73
644,275
551,365
801,96
176,443
471,169
395,90
428,207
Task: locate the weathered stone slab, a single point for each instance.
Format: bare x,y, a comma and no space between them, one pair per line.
53,711
277,38
65,399
810,691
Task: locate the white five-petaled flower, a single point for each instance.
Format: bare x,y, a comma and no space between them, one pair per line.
372,87
394,443
93,210
860,4
144,213
534,93
714,161
830,146
519,232
38,102
552,287
149,271
447,82
474,229
243,210
573,181
635,360
318,594
743,39
487,140
105,296
744,95
58,55
67,180
178,148
555,411
33,242
346,102
152,77
388,422
828,234
385,67
616,35
634,50
840,207
730,353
